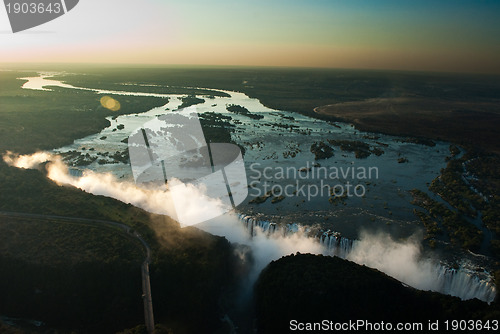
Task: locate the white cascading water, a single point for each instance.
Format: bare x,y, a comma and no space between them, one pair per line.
461,282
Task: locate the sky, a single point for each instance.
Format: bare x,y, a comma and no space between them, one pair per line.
422,35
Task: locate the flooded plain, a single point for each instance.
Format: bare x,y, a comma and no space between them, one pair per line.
302,172
344,192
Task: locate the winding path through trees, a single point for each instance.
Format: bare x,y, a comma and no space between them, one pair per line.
146,284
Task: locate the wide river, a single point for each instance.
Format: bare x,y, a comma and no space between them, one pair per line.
278,154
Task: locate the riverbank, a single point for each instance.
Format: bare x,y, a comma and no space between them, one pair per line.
462,122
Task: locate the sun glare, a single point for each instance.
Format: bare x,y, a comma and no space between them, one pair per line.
110,103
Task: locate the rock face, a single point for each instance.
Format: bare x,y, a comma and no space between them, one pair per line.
312,288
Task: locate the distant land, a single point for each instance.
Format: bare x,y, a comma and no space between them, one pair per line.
461,108
462,122
196,277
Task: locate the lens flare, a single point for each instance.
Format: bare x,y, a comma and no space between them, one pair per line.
110,103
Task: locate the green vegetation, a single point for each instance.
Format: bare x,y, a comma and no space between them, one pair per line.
470,185
261,199
484,172
76,158
97,290
278,199
321,150
361,150
216,127
26,239
334,199
454,150
453,189
302,90
243,111
69,274
431,227
287,89
191,270
108,83
426,118
30,191
189,101
458,108
419,140
311,288
460,231
40,120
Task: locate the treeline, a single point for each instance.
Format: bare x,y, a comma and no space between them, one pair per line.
311,288
30,191
100,290
92,297
189,101
460,231
62,243
470,185
190,270
38,120
217,128
237,109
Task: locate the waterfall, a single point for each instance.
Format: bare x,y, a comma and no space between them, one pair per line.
336,244
266,227
462,282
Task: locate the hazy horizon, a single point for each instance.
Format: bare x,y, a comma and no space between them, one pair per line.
429,36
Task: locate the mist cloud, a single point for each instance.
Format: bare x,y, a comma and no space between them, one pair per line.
402,260
190,199
26,161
